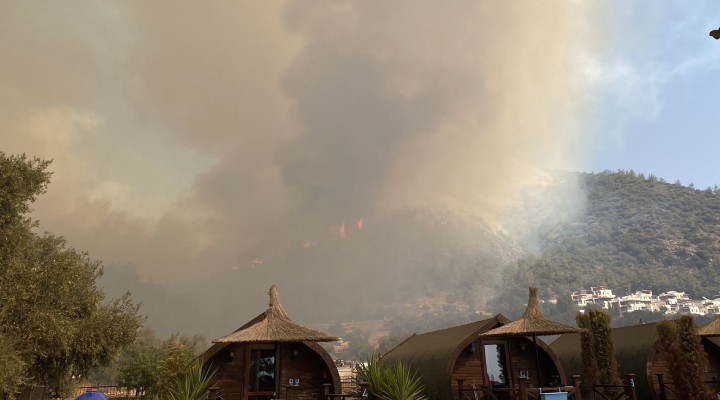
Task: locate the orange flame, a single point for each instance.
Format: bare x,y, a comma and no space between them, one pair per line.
341,231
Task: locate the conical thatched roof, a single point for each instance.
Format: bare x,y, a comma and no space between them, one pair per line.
532,322
711,329
274,325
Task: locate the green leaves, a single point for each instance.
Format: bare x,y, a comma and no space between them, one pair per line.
13,367
686,358
598,349
193,385
49,302
390,382
152,367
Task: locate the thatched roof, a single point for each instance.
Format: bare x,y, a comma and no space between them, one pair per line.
532,322
274,325
712,328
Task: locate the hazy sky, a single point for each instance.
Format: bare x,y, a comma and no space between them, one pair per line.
189,136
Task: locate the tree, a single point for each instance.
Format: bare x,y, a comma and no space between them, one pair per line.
152,367
50,305
11,373
686,358
140,364
598,348
177,363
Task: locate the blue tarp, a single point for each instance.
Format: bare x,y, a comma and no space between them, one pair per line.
91,395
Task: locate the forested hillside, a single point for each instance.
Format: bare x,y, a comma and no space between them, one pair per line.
637,233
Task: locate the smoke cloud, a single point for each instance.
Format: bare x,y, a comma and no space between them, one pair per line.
202,144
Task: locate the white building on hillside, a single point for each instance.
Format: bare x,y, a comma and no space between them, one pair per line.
672,301
595,295
642,300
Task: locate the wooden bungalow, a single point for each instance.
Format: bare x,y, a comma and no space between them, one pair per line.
458,357
638,352
272,357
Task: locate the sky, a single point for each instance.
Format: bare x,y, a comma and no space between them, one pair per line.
192,138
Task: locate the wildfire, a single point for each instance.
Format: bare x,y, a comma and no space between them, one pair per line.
341,230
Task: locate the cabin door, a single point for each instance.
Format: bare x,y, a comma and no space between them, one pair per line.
261,375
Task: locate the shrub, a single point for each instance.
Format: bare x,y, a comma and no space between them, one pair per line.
193,385
390,382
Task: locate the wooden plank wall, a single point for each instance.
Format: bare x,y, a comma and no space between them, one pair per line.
294,360
230,374
470,368
301,362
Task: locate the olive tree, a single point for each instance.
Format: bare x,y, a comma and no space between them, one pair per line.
59,320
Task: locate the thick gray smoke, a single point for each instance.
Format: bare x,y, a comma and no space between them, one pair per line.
206,143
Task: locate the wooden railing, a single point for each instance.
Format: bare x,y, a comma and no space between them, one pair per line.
626,391
521,392
360,393
616,392
667,390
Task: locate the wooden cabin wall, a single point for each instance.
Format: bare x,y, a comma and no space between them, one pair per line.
305,364
229,375
657,365
301,362
524,360
713,371
468,367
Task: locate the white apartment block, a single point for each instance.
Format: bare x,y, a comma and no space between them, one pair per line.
594,295
642,300
671,302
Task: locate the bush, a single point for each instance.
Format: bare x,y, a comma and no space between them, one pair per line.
390,382
193,385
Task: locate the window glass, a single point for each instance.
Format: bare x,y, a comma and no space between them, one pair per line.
262,371
496,364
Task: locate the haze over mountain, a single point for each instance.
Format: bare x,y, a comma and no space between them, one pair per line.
635,233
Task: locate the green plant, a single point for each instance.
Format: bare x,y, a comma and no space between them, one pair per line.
193,385
686,358
390,382
598,349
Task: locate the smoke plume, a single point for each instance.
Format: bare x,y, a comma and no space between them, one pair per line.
206,145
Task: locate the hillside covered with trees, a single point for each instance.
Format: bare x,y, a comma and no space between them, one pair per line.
637,232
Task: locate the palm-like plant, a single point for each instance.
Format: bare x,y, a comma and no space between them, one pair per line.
194,385
391,382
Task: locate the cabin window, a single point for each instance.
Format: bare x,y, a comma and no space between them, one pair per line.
496,364
261,374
